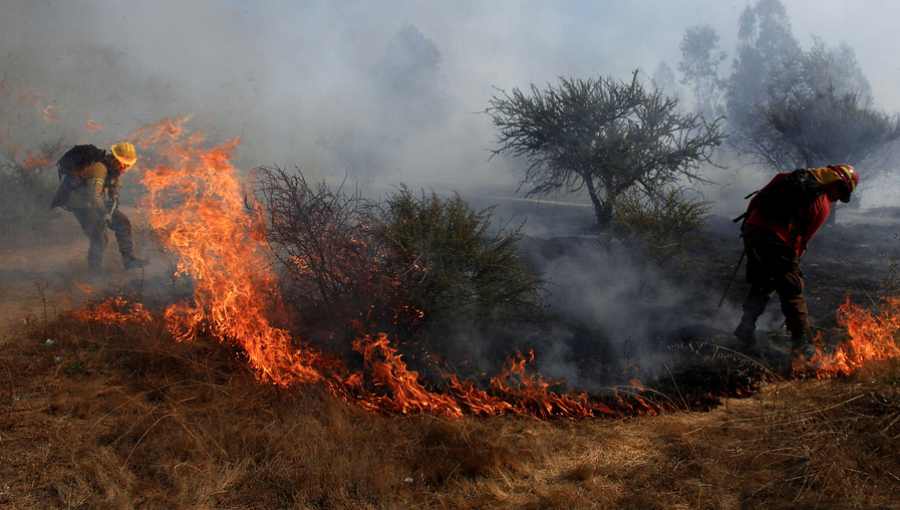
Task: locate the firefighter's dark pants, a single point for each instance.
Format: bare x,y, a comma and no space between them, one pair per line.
772,266
93,224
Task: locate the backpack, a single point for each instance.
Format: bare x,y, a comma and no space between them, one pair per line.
783,200
77,158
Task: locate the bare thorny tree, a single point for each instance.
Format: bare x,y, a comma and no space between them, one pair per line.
326,256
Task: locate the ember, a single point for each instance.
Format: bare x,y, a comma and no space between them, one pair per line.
115,310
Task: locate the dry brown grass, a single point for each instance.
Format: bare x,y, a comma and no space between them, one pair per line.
121,417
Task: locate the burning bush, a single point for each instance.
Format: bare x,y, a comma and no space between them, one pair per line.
393,267
328,261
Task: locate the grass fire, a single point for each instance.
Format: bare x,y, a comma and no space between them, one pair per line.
406,270
219,375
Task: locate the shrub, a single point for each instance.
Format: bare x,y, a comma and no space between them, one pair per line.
395,267
27,186
665,224
450,266
328,260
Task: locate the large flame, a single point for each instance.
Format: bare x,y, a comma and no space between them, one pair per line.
871,338
194,202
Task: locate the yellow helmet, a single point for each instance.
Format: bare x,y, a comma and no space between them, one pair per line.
125,153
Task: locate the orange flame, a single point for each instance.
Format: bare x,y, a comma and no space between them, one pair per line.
195,204
533,393
871,338
91,126
115,310
514,391
406,392
50,114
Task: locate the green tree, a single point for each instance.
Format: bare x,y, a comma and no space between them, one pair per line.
765,43
450,266
826,127
601,136
408,81
700,68
819,111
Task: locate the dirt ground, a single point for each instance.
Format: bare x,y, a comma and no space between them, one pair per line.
45,273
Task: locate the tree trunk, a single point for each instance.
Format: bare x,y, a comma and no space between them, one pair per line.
602,210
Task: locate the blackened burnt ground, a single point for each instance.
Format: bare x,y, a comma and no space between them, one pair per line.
620,316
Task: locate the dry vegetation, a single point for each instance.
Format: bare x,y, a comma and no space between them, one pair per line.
120,416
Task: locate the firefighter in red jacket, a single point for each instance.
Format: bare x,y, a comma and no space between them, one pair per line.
774,249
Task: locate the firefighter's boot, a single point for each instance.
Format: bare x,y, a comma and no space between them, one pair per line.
129,262
801,344
746,333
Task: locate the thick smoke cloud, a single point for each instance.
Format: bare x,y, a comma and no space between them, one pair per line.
287,76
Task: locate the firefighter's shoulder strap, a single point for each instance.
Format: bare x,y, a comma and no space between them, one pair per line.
743,218
781,201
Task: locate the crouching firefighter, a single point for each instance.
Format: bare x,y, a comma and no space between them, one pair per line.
89,189
780,221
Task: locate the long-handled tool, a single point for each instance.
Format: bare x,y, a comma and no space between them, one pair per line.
737,267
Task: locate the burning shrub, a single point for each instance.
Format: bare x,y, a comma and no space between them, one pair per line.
328,261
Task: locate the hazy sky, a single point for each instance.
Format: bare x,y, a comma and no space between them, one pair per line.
284,75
